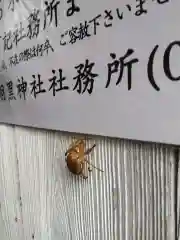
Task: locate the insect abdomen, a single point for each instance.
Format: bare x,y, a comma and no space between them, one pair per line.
74,166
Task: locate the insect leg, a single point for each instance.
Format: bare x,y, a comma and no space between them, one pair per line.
84,170
87,153
90,149
93,165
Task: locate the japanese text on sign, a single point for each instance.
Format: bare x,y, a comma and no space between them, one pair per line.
121,58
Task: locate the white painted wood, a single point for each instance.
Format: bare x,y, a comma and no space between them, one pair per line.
10,210
178,201
132,199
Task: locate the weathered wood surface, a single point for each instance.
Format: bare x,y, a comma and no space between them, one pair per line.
39,198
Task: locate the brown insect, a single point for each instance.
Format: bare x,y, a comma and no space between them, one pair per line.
76,158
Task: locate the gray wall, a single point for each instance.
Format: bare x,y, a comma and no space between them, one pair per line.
133,199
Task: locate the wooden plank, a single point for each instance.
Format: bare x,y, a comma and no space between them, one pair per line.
11,222
132,199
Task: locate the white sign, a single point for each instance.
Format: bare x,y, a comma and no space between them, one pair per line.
100,67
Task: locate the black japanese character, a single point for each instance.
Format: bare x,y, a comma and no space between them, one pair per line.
1,11
21,57
121,15
85,76
119,65
10,88
95,23
8,41
27,54
73,35
47,46
18,34
22,88
150,69
109,17
40,50
83,30
161,1
34,52
140,7
57,83
2,93
33,24
62,37
12,4
13,61
51,11
16,59
37,86
166,61
73,8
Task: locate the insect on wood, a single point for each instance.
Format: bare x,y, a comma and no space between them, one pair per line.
76,158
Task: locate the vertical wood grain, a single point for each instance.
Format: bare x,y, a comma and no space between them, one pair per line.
11,222
132,199
178,195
